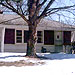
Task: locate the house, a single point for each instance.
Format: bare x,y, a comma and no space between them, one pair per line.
52,35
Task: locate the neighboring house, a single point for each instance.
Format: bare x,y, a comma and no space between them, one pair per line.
52,35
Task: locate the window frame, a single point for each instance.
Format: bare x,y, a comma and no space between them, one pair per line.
23,42
19,36
40,36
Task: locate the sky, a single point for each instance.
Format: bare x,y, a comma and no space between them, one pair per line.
61,16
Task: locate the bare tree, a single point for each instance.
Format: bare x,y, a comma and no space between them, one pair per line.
36,10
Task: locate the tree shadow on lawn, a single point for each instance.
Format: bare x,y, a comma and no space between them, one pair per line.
44,56
11,56
57,56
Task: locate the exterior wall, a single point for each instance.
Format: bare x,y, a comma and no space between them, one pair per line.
0,38
57,47
66,49
21,47
58,36
73,36
2,31
15,48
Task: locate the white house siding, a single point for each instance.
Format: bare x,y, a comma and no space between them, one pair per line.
0,37
2,31
15,48
73,36
58,36
57,47
21,47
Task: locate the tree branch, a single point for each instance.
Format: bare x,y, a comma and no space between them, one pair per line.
46,8
40,5
14,10
49,13
60,8
54,10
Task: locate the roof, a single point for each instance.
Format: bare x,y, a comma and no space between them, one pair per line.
11,20
7,19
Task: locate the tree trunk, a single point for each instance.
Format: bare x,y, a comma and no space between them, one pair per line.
33,13
31,43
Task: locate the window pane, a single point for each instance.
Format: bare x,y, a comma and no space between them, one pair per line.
39,40
19,33
18,36
57,36
19,41
39,36
39,33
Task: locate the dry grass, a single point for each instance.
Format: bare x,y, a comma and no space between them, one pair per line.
21,63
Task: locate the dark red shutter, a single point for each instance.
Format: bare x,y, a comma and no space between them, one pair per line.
67,37
26,36
48,37
9,36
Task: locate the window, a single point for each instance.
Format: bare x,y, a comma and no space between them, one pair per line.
9,36
48,37
67,37
18,36
58,37
39,36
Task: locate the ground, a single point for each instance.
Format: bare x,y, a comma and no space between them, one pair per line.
55,64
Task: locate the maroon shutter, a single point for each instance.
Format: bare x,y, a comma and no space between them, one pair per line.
67,37
9,36
26,35
48,37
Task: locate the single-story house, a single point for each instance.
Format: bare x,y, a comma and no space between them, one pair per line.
52,35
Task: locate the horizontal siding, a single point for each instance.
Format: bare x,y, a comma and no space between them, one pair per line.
15,48
22,48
